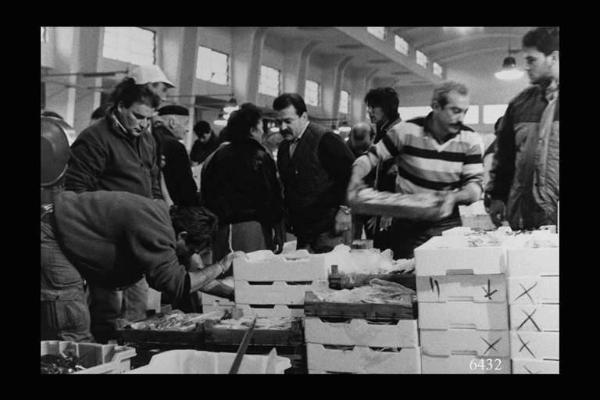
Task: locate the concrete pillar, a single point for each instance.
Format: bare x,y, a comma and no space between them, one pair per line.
297,56
361,84
170,56
332,86
248,45
187,76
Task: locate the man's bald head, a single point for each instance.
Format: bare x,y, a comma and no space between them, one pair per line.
360,138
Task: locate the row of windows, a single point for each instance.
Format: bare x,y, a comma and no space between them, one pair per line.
491,113
402,46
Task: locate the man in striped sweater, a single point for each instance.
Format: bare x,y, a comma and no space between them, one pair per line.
435,153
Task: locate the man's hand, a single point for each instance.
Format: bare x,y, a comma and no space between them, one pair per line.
447,206
227,261
343,222
354,187
497,211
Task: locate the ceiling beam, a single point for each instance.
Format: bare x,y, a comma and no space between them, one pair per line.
470,53
433,47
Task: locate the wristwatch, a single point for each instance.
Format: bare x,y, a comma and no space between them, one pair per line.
345,209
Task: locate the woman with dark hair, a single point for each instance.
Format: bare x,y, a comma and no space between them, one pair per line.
240,185
206,143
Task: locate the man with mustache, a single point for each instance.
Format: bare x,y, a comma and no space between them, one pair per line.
435,153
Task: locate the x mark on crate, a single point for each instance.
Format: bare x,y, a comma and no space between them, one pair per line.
526,292
490,345
525,346
488,292
528,370
529,318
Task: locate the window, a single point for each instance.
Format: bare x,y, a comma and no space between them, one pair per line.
407,113
269,81
44,34
400,45
129,44
212,66
421,59
437,69
311,93
472,116
492,112
344,102
378,31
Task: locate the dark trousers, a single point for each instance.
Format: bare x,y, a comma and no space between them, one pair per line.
406,235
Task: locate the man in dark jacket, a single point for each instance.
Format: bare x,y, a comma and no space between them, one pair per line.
206,143
111,239
524,179
177,170
315,169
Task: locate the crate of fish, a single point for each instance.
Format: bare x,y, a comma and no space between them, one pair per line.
378,301
265,266
420,206
65,357
268,331
174,327
533,253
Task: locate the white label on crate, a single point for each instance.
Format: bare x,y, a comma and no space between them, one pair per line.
464,364
463,315
533,289
474,288
524,366
473,342
535,345
364,360
290,293
402,333
294,266
534,318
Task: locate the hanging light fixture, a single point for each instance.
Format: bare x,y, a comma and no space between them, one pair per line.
509,71
231,106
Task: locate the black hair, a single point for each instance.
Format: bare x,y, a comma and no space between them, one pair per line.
201,127
242,121
51,114
386,98
99,112
128,92
290,99
544,39
199,223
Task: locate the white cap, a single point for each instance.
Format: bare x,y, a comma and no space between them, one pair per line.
143,74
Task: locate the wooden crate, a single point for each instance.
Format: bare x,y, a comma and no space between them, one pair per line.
534,318
96,358
472,288
401,333
539,289
271,310
216,335
361,359
480,343
278,292
464,364
156,337
535,345
463,315
525,366
295,266
451,255
314,307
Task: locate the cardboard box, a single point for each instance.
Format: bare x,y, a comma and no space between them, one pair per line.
524,366
472,288
278,292
463,315
277,310
534,318
452,255
293,266
465,342
533,289
361,332
535,345
363,360
464,364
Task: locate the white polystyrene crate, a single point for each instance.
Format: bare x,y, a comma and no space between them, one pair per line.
210,308
458,231
525,260
279,292
363,360
402,333
473,342
534,318
211,300
450,255
539,289
473,288
271,310
264,266
535,345
525,366
463,315
464,364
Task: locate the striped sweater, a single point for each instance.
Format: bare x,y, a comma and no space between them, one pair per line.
423,163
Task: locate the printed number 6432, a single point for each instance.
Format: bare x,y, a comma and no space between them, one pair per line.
485,364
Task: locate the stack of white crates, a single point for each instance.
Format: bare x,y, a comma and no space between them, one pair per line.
214,303
275,285
533,294
463,312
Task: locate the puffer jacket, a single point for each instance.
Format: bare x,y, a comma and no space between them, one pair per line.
525,170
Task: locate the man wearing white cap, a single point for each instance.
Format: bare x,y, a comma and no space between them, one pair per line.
154,77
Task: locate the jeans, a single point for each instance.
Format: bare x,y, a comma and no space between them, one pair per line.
64,311
108,306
